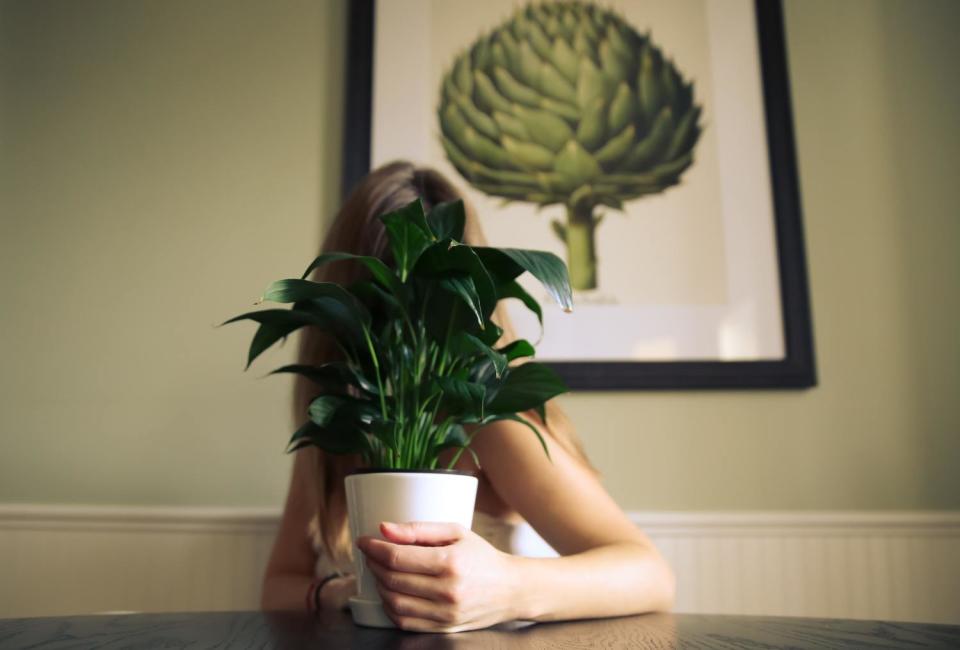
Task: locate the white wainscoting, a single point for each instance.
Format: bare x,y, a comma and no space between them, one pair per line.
884,565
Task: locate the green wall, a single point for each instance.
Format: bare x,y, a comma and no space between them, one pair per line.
161,162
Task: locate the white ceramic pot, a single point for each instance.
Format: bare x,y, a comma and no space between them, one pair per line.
375,496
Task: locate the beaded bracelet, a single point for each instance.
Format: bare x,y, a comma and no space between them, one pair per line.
313,592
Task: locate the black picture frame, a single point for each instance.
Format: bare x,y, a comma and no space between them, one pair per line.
797,369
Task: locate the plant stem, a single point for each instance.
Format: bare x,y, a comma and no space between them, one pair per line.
581,247
460,451
376,367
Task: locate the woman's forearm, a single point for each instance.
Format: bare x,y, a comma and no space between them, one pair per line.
613,580
288,591
285,591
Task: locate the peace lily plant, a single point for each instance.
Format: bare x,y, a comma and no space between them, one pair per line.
420,361
420,367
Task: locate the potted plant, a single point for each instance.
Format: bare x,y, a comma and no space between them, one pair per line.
420,373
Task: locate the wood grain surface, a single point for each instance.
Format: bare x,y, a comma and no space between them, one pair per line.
335,630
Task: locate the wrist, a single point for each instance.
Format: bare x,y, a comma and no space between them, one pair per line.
524,597
315,592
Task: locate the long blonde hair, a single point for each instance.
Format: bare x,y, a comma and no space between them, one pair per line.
357,229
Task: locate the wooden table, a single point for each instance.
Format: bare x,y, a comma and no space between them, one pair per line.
334,630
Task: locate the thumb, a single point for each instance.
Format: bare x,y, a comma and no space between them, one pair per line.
423,533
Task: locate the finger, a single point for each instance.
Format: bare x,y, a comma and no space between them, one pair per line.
412,584
399,557
425,533
405,606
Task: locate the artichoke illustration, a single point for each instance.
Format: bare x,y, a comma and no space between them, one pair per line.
565,103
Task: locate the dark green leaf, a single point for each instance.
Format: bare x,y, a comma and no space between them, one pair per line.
267,334
456,437
526,387
409,235
446,257
381,272
323,408
275,324
517,349
468,343
446,313
340,436
333,375
340,424
490,333
462,397
447,220
276,317
462,285
303,290
302,437
372,294
347,320
505,264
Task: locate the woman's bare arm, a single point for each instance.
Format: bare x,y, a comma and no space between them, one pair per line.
291,567
609,566
441,577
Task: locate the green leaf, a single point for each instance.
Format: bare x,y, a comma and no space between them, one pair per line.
517,349
462,397
505,264
333,374
267,334
443,258
371,294
302,437
469,343
275,317
347,320
409,235
305,290
462,285
446,314
456,437
275,324
526,387
447,220
323,408
340,424
381,272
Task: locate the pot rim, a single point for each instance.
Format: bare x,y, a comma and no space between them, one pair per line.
384,470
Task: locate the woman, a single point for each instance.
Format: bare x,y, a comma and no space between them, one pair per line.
440,577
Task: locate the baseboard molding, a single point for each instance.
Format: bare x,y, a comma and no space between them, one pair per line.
70,559
233,519
18,516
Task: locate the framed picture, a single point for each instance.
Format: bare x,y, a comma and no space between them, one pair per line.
648,143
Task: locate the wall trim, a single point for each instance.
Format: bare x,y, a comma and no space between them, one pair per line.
673,523
204,519
881,565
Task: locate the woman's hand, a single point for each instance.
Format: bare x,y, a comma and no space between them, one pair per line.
334,594
439,577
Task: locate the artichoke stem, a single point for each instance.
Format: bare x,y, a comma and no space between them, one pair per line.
581,249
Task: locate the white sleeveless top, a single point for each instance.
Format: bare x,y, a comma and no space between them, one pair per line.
515,538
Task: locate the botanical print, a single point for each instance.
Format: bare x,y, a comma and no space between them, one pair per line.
626,136
567,104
